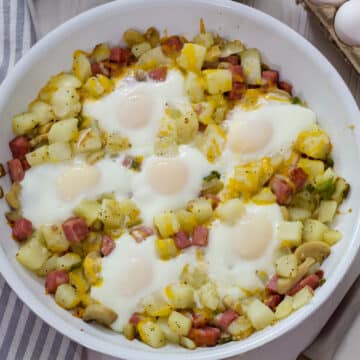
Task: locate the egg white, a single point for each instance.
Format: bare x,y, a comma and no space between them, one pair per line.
134,101
133,271
226,267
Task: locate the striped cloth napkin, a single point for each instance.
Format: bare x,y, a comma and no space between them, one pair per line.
23,336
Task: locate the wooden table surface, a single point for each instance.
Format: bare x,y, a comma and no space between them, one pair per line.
52,13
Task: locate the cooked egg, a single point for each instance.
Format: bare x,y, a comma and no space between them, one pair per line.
51,191
346,23
169,182
133,271
236,252
134,108
264,132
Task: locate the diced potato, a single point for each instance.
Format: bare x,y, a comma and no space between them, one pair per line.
38,156
195,276
285,308
13,196
314,230
81,66
240,327
88,210
54,237
187,343
115,143
155,305
286,266
298,214
251,64
166,223
66,296
187,220
192,57
151,333
166,248
290,233
129,331
179,323
48,266
65,102
170,335
207,109
153,59
305,200
139,49
331,237
130,212
181,296
218,81
166,138
341,190
110,214
92,267
93,86
24,123
65,80
213,53
194,87
133,37
33,253
264,196
230,211
152,36
259,315
231,48
68,261
209,296
204,39
312,167
327,210
63,131
186,126
212,142
314,143
89,140
201,208
78,280
101,52
42,111
302,297
59,151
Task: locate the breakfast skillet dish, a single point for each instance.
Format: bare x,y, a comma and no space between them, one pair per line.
174,191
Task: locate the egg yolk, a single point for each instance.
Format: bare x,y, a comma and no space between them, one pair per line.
249,136
252,237
135,110
138,276
168,176
76,180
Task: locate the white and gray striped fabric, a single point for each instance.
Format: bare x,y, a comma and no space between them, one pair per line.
23,336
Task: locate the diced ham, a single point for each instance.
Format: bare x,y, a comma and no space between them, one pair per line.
158,74
75,229
99,68
282,190
128,160
270,76
200,236
273,301
207,336
272,284
121,56
19,147
140,233
283,85
16,170
199,319
237,73
107,245
237,91
55,279
226,318
202,127
25,164
313,281
320,274
22,229
298,176
182,240
134,319
232,59
172,45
